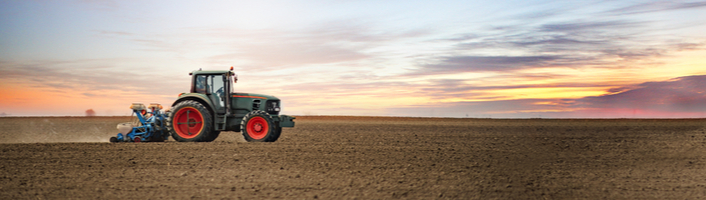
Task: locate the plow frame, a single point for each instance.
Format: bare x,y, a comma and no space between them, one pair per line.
150,129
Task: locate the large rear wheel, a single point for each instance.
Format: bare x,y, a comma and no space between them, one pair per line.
190,121
257,126
212,136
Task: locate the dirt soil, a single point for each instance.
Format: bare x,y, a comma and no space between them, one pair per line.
362,158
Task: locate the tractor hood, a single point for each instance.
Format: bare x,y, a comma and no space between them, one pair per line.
254,96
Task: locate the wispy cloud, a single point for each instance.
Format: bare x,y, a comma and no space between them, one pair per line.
545,42
330,42
458,64
656,6
86,75
549,45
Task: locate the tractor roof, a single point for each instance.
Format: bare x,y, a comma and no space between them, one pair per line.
210,72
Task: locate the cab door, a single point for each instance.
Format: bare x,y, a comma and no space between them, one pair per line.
214,87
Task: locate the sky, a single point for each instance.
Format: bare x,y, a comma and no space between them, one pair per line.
480,59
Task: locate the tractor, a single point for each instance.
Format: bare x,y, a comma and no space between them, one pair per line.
210,108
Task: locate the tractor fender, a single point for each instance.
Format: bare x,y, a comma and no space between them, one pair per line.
201,98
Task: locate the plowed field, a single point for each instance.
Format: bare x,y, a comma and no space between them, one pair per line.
362,158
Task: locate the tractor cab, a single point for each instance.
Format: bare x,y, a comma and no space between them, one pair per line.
216,86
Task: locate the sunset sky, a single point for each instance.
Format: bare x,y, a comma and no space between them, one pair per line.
488,59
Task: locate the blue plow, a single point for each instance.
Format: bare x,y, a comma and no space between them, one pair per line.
149,127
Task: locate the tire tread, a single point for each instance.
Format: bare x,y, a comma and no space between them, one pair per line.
207,132
272,136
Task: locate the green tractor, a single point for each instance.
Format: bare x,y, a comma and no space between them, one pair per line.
212,106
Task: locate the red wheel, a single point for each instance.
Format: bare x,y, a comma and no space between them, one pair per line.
257,128
188,122
137,139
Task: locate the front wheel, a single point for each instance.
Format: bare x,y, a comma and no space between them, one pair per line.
257,126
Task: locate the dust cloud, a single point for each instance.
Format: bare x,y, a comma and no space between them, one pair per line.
58,129
71,129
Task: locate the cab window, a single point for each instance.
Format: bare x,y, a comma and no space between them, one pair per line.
200,85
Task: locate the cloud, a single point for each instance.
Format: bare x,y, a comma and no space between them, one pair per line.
455,64
330,42
656,6
293,53
583,41
87,76
578,27
561,39
683,94
678,97
445,88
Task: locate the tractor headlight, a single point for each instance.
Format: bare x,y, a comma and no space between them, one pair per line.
273,107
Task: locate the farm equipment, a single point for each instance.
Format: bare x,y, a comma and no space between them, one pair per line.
209,108
148,126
